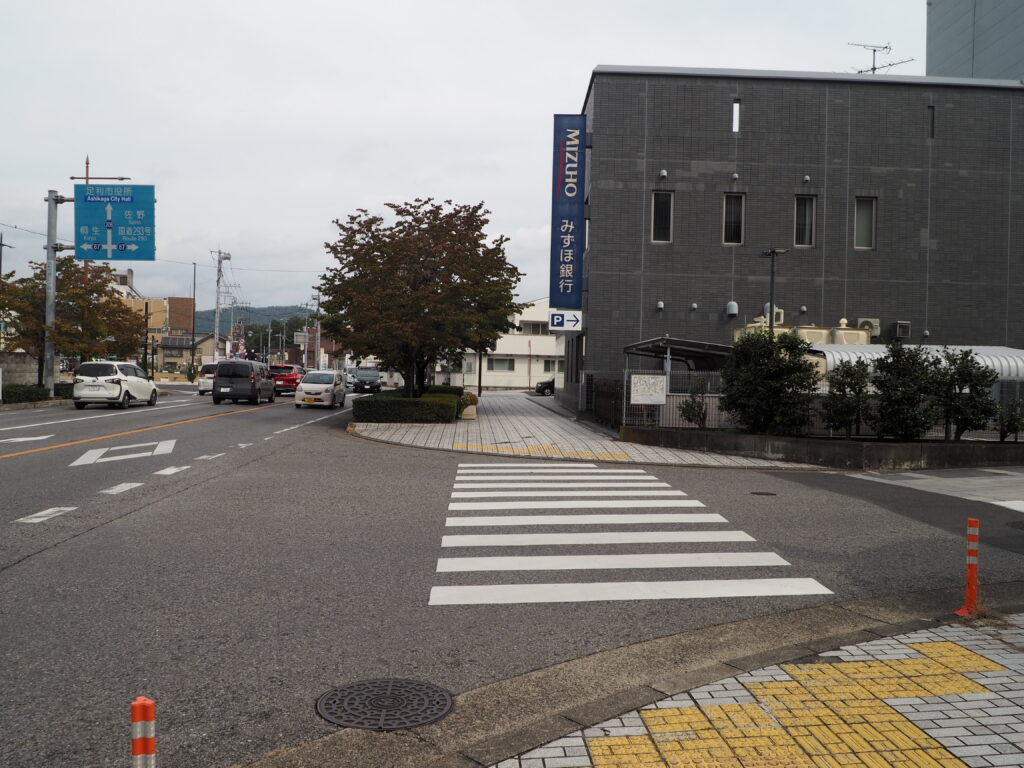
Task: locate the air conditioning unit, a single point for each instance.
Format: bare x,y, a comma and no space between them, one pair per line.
870,324
902,329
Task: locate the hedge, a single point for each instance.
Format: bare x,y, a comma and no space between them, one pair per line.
429,409
31,393
445,389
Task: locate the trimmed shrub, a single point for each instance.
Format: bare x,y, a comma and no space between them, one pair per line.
444,389
469,399
63,390
25,393
429,409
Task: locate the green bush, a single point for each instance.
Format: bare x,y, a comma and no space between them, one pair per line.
469,399
444,389
63,390
24,393
429,409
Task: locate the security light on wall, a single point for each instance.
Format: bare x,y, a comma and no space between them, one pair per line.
662,174
807,179
694,305
732,309
659,306
735,177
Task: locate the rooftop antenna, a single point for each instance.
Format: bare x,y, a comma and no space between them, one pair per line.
875,50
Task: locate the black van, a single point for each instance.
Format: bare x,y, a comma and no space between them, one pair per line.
247,380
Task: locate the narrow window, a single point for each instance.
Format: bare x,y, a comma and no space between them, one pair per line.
931,122
864,223
732,220
501,364
803,225
735,115
661,217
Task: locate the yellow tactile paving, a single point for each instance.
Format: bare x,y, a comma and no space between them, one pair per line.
826,716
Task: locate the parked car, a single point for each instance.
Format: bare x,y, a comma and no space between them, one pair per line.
367,380
350,375
326,388
286,377
247,380
112,384
204,380
545,387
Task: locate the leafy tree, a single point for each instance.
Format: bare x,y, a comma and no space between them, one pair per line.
768,381
963,392
1011,419
694,408
847,402
90,318
905,385
424,286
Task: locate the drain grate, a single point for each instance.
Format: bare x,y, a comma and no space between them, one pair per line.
384,705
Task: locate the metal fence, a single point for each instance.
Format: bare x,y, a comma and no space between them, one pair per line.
607,394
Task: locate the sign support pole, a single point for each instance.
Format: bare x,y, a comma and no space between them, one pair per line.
53,199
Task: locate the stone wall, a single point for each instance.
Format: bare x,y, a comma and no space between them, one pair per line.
18,368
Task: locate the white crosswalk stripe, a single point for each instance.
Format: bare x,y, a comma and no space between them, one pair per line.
570,495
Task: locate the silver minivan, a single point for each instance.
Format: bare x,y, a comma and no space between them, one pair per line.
247,380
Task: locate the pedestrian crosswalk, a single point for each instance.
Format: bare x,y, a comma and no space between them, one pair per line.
517,505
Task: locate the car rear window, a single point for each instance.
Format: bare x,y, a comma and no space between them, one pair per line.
367,373
208,369
282,370
233,371
318,378
97,369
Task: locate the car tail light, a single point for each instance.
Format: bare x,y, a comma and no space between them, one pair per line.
114,380
79,381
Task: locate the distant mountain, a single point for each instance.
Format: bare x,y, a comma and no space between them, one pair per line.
253,315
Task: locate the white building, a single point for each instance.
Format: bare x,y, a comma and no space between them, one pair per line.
528,354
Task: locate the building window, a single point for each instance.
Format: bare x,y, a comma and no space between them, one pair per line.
803,224
864,223
468,365
661,218
501,364
735,115
732,220
534,329
556,365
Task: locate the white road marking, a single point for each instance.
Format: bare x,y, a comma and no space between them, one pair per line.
575,494
287,429
207,456
563,485
171,471
572,504
513,470
602,562
617,537
25,439
529,464
97,455
244,445
99,416
46,514
623,590
1016,506
551,478
669,517
120,488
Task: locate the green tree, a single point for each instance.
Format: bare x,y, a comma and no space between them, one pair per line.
905,385
90,318
847,402
1011,419
694,408
963,392
423,286
768,381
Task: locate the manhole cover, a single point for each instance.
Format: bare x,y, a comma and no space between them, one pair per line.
384,705
763,493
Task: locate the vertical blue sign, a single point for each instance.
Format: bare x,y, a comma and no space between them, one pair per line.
568,228
114,222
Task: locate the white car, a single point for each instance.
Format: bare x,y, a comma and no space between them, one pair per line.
326,388
204,380
113,384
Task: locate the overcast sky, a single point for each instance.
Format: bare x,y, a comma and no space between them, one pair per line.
261,122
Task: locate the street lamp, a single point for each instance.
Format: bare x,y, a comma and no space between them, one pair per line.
772,253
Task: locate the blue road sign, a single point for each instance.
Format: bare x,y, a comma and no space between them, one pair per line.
114,222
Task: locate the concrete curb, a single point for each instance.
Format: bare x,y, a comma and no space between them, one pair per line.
508,717
37,404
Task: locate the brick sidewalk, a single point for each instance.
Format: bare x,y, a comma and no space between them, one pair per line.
950,697
517,424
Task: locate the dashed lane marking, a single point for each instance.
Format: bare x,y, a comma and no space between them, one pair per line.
121,488
131,412
25,439
46,514
208,456
170,470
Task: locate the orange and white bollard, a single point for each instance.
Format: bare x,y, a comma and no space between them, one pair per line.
143,733
970,606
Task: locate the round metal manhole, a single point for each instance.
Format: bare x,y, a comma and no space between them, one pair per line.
763,493
384,705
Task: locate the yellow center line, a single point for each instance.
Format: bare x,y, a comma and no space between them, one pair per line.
134,431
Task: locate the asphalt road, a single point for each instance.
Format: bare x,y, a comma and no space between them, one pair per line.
291,557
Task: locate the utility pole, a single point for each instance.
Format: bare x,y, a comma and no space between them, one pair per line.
192,359
316,349
221,258
53,199
2,246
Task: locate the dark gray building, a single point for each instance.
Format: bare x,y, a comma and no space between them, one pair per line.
976,38
899,199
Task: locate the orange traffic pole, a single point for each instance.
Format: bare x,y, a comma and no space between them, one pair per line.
970,606
143,733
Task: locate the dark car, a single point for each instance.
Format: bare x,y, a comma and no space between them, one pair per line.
545,387
367,380
242,380
286,377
